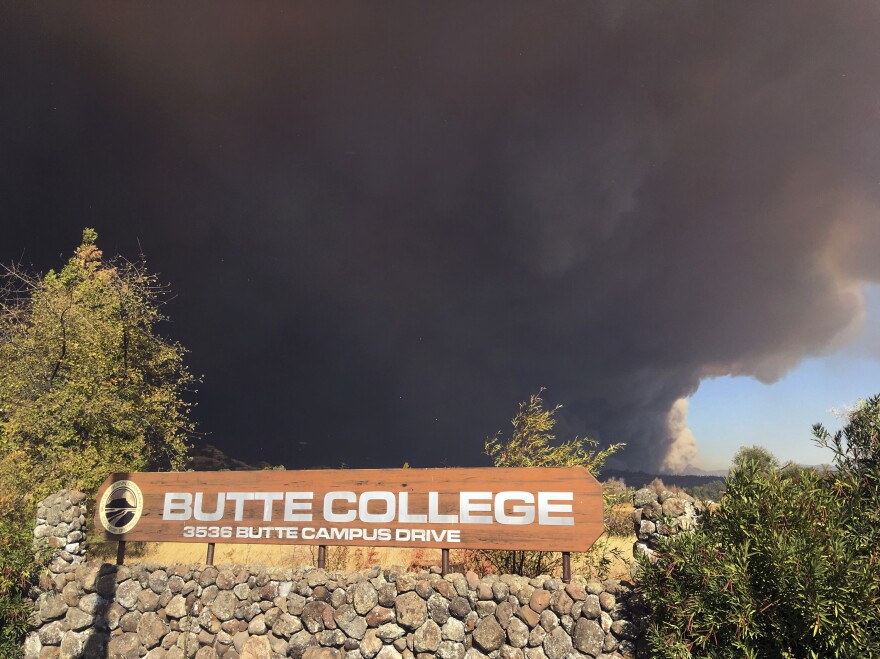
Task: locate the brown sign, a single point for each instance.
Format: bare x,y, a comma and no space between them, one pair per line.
551,509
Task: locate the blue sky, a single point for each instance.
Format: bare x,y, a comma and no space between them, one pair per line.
729,412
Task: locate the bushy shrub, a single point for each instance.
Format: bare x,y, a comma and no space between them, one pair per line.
787,566
18,570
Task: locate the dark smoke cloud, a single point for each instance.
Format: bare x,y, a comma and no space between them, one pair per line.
388,222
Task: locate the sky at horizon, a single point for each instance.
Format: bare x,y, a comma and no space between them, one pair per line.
728,412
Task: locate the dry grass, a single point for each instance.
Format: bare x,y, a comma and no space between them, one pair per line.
296,556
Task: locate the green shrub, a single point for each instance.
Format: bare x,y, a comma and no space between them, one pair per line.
787,566
18,570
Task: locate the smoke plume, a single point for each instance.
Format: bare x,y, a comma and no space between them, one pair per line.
386,224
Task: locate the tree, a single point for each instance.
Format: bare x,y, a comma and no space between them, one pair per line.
533,444
87,385
787,566
763,459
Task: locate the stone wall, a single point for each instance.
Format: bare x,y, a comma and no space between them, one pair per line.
88,609
660,516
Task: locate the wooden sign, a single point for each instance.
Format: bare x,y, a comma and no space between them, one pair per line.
548,509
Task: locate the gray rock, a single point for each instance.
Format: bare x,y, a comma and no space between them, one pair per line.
557,644
331,637
411,610
607,601
322,653
371,644
147,601
503,614
592,607
150,629
286,625
176,608
295,604
459,607
453,630
127,593
256,647
540,600
390,632
225,579
208,576
52,633
350,622
488,634
427,637
32,646
78,620
485,608
379,615
438,608
224,605
643,497
257,625
611,643
387,593
561,603
72,646
549,621
624,629
71,594
388,652
337,598
124,646
52,607
473,653
588,637
508,652
364,597
536,637
206,652
535,653
158,581
299,642
528,615
517,633
450,650
313,617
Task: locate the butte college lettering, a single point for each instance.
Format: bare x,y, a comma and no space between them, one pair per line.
556,509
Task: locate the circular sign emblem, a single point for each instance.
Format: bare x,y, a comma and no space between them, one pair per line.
120,507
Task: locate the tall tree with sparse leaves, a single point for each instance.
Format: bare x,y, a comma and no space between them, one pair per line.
87,384
533,444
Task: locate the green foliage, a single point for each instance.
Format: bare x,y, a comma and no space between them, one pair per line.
761,457
787,566
711,491
533,444
18,570
87,386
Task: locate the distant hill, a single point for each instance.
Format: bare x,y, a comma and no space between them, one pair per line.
207,457
639,479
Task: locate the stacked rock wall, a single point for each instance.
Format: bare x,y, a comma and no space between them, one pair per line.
101,610
61,527
660,516
233,611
